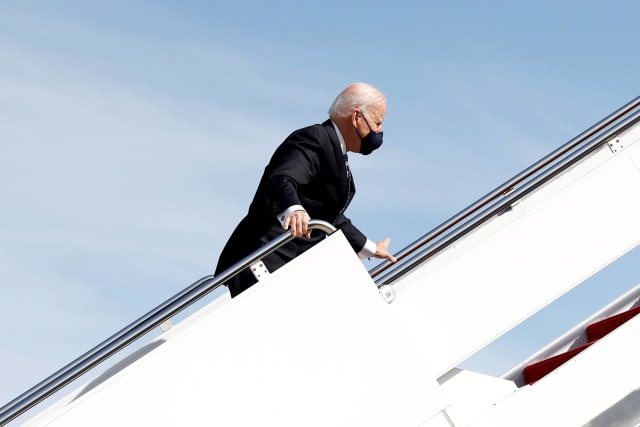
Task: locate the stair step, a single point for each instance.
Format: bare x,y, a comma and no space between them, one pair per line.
594,332
597,330
536,371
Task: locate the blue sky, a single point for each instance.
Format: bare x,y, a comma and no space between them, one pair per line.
133,133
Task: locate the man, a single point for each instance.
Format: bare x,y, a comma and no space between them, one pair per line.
308,177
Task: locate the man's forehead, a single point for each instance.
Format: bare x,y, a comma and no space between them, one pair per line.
379,110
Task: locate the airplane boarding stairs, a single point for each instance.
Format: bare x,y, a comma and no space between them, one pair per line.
324,342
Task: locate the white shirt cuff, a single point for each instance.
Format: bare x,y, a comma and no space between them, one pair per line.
282,216
368,250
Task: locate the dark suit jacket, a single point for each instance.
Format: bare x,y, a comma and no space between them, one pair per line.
307,169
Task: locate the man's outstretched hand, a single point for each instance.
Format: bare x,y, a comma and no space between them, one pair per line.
382,250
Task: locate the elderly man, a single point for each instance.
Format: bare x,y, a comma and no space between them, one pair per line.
307,177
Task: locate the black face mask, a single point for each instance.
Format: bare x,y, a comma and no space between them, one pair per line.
372,141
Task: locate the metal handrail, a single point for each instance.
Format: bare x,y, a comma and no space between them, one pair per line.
140,327
503,190
453,229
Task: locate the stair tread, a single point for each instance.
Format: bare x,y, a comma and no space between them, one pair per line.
601,328
594,332
537,370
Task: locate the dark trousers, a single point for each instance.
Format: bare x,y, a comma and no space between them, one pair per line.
245,279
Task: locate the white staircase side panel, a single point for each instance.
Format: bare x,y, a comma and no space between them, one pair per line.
314,344
471,393
602,380
519,261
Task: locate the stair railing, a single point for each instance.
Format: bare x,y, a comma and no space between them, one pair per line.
501,198
140,327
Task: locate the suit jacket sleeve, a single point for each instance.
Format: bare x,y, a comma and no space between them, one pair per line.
292,166
354,236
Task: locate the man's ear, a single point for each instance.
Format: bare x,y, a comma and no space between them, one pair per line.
354,117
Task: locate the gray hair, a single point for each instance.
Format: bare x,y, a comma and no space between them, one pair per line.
358,95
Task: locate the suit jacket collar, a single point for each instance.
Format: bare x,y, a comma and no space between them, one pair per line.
343,145
335,142
333,134
347,191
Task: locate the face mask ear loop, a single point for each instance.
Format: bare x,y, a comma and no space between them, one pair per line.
371,141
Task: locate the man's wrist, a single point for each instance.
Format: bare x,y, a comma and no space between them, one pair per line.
368,250
282,216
